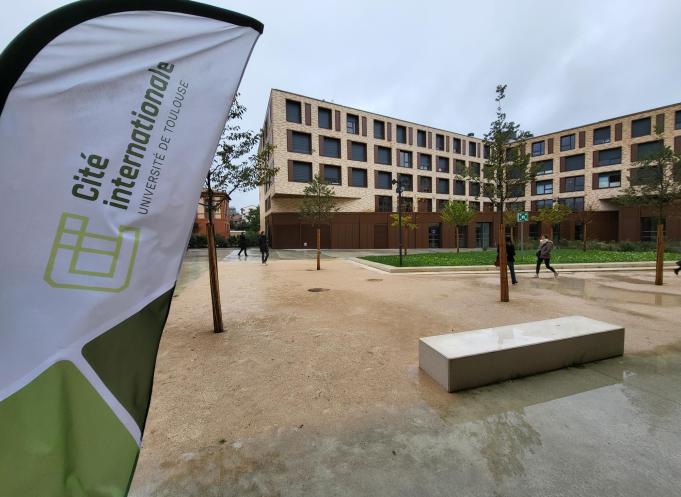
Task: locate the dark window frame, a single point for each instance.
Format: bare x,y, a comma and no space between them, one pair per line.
538,148
608,177
358,146
381,127
335,141
641,127
571,184
384,150
609,162
298,163
354,120
567,142
351,179
300,111
333,167
541,169
543,184
324,110
598,139
308,136
421,138
401,131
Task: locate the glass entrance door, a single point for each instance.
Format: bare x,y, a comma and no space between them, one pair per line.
434,236
482,234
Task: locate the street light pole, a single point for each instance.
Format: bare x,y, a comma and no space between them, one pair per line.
399,191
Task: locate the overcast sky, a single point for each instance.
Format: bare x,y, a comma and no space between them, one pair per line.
438,63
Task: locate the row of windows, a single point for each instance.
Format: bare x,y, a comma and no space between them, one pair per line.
574,203
294,114
385,203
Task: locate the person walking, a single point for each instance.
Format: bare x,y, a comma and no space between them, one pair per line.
243,246
510,258
264,247
677,268
544,254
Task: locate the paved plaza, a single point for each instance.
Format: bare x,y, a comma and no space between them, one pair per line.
318,393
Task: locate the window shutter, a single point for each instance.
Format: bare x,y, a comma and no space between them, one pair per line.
594,181
562,184
290,170
321,145
582,139
375,153
533,206
562,164
677,144
397,158
308,114
430,139
446,144
321,172
594,158
376,203
618,132
337,118
364,126
349,150
659,123
389,131
375,179
410,136
463,147
549,145
289,140
634,152
533,186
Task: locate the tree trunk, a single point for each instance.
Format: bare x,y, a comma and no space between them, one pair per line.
503,268
213,277
659,260
456,237
319,247
584,237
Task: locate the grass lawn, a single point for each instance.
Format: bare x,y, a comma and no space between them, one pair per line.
558,256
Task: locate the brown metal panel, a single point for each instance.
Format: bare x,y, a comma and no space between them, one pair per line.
290,170
677,144
533,187
389,132
321,171
337,117
634,152
349,150
594,181
375,153
364,126
430,139
446,144
308,114
321,145
659,123
549,146
582,139
562,185
562,164
478,147
594,158
410,135
618,132
289,140
397,157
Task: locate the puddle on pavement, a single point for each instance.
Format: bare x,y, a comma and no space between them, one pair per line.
374,279
315,290
595,290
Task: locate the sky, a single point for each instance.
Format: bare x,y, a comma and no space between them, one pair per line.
438,62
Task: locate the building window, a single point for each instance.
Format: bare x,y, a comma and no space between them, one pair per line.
472,149
474,189
537,148
516,190
400,134
612,179
648,149
534,230
302,172
459,187
358,151
543,187
516,206
442,165
540,204
485,151
575,204
610,156
640,127
677,119
544,167
474,205
579,231
456,145
379,130
405,158
649,229
442,186
384,203
332,175
425,162
420,138
441,204
574,162
406,181
353,124
425,184
474,169
459,167
574,184
425,205
602,135
331,147
302,142
643,176
439,142
384,180
383,155
407,204
293,114
324,116
358,177
567,142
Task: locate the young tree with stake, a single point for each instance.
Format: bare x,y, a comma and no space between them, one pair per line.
318,207
505,175
407,226
457,213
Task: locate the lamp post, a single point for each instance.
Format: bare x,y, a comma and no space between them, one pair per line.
399,189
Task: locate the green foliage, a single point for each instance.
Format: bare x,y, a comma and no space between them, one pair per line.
457,213
552,215
201,241
319,202
480,258
253,220
623,246
406,221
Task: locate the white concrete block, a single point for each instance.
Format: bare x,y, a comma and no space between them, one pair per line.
474,358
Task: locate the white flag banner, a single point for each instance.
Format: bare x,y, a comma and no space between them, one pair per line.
110,114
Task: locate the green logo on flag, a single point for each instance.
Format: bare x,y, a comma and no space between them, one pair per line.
523,216
84,260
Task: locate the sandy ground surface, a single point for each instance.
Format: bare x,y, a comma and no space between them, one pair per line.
320,394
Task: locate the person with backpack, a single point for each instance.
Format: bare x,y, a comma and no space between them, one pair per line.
243,246
544,254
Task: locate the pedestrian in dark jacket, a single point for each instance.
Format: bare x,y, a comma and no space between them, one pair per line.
243,246
544,254
264,247
677,268
510,258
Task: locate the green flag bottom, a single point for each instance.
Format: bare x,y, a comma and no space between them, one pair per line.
59,438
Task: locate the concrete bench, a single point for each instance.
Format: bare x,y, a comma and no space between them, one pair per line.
474,358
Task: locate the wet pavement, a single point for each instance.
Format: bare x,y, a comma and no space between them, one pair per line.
320,394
